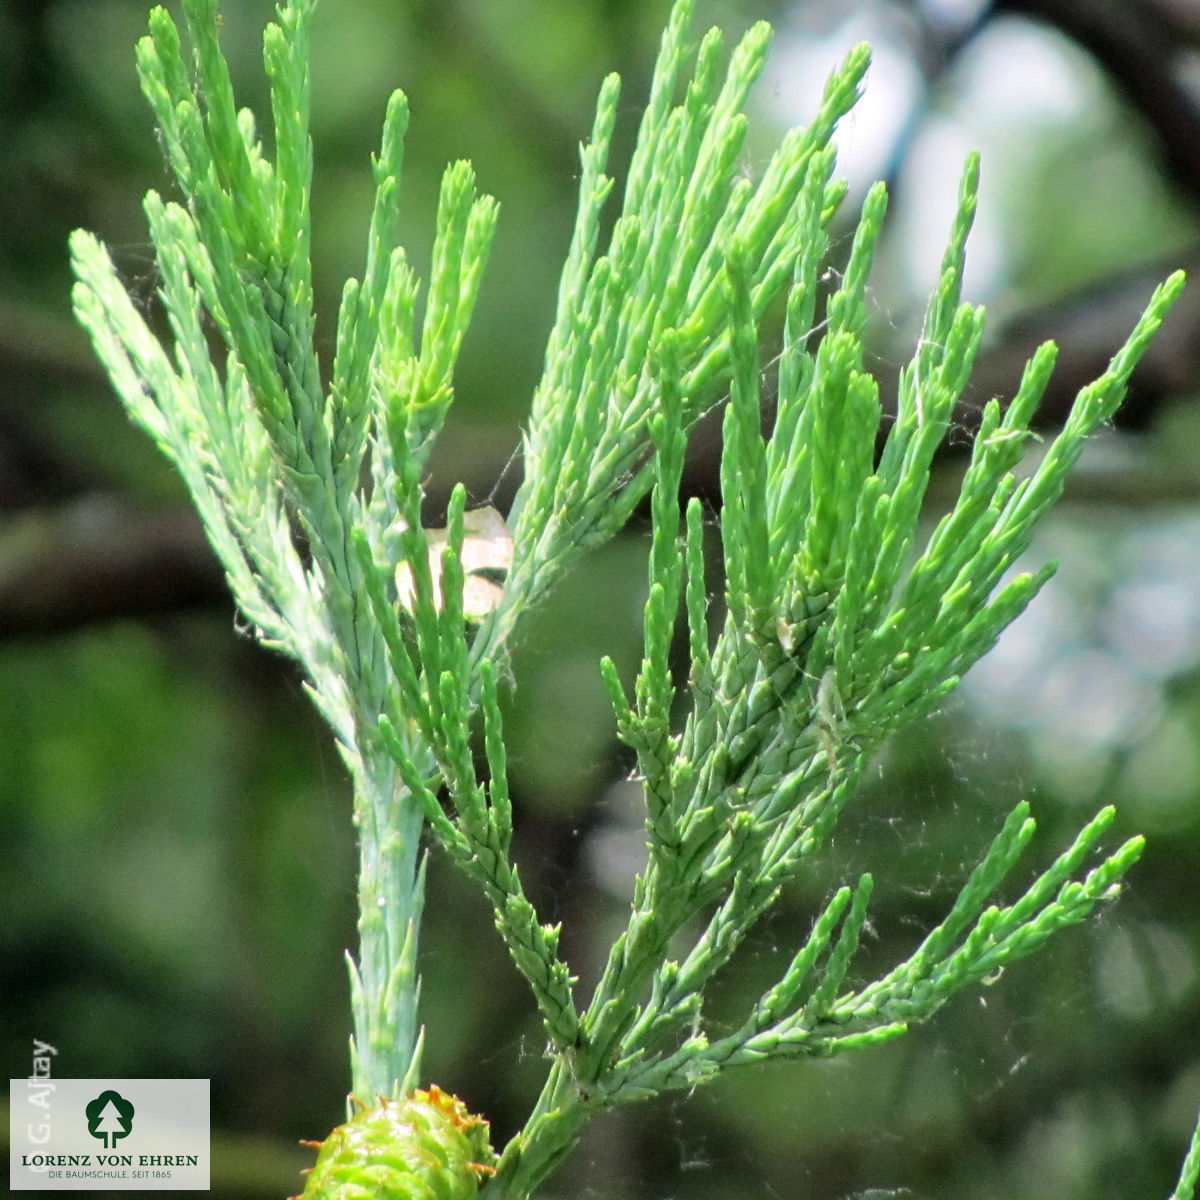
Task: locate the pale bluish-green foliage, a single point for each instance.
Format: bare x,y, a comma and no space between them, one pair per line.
1189,1173
837,626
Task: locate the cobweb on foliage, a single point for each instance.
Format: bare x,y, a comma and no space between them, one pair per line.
901,817
137,263
896,821
976,771
699,1152
696,1149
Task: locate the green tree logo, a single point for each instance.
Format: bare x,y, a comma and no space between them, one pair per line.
109,1117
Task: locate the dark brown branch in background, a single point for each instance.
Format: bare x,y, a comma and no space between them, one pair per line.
97,559
1088,327
1142,46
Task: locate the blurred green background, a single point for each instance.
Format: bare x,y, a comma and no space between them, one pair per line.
177,878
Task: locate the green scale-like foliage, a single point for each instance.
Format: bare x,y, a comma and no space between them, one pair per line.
838,625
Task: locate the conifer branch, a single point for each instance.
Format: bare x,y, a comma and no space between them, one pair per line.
837,625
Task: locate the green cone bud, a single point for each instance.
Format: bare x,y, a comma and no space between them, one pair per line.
424,1147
